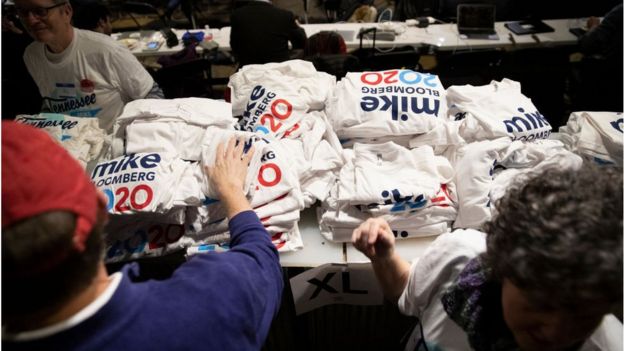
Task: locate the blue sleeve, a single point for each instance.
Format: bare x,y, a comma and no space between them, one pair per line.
228,300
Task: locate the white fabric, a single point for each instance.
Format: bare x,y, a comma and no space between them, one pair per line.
316,155
93,77
379,104
596,135
273,111
436,270
390,174
174,126
81,137
410,216
476,166
215,136
147,234
338,225
496,110
293,78
144,182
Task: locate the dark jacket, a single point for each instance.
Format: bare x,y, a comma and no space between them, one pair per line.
261,32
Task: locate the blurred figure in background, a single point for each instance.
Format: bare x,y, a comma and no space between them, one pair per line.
93,15
261,33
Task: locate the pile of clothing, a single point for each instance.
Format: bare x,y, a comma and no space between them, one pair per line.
82,137
159,195
286,101
596,136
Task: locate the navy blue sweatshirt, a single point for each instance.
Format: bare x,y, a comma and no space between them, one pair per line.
216,301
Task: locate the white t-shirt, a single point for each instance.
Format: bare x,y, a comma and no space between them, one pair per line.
393,102
93,77
80,136
498,109
433,273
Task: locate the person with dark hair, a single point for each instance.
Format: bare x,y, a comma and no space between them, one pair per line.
545,275
94,16
57,294
79,72
261,32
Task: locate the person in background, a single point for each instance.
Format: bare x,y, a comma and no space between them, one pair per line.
19,92
57,295
261,32
545,274
94,16
78,72
601,74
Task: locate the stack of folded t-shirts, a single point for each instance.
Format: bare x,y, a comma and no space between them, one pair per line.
495,110
486,169
80,136
158,185
175,126
411,189
271,186
597,136
394,105
316,154
286,101
255,88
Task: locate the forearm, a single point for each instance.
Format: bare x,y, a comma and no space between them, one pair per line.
392,274
234,201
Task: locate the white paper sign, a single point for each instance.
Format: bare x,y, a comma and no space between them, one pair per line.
332,283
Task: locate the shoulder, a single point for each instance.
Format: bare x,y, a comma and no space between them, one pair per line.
98,43
448,255
458,243
438,267
34,51
607,337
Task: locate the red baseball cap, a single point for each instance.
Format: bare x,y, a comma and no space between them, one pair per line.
39,175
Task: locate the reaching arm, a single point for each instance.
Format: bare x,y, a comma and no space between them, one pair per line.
375,240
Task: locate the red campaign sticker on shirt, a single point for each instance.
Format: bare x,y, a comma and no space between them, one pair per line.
87,86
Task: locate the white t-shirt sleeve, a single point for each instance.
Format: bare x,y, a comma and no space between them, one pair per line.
134,81
608,336
438,267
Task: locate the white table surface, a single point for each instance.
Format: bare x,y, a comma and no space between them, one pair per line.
316,250
443,37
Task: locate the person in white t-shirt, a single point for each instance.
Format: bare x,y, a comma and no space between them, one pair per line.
546,276
78,72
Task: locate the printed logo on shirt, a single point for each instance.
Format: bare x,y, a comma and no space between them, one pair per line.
156,236
400,203
398,108
460,115
402,233
405,76
38,122
66,99
522,127
87,86
266,112
617,125
401,92
118,180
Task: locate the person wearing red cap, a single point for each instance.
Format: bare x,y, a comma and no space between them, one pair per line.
57,294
